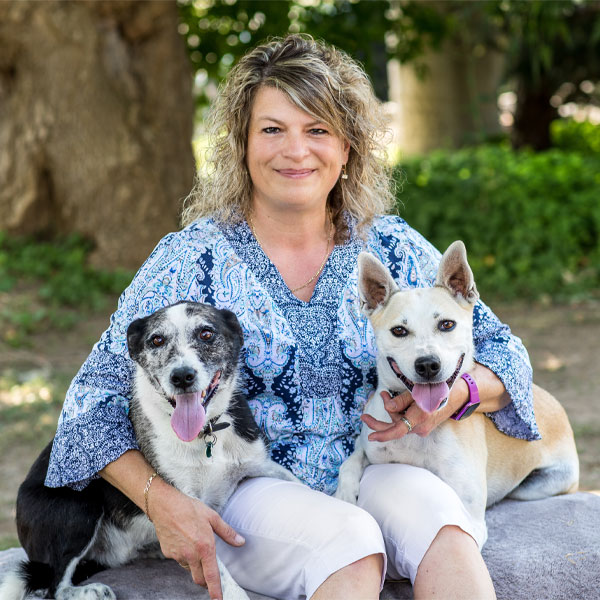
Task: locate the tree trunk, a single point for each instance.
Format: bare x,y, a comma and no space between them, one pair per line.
96,117
533,116
454,104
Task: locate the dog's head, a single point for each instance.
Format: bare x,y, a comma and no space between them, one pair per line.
425,335
187,353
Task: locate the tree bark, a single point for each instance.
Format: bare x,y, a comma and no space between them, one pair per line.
533,116
454,104
96,118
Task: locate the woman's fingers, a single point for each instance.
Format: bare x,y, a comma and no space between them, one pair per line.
206,573
186,531
406,417
226,532
384,432
396,404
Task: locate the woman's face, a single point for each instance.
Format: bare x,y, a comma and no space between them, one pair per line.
294,161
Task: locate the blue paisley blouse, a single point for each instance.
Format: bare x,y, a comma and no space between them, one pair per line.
308,367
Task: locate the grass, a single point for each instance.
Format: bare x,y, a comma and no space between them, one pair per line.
48,296
49,285
30,403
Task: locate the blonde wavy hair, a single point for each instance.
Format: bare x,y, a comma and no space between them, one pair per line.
331,87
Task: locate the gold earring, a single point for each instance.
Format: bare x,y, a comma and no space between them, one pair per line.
344,172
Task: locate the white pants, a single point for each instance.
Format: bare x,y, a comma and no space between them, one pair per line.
297,537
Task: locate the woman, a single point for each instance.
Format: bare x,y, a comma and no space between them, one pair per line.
296,187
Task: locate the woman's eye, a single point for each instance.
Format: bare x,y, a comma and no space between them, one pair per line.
206,334
399,331
271,130
318,131
446,325
158,341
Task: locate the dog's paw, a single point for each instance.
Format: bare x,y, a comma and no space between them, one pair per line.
230,588
347,492
232,591
92,591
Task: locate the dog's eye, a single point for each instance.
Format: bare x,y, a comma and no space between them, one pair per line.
206,334
158,340
446,325
399,331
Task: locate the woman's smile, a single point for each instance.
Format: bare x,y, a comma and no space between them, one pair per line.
295,173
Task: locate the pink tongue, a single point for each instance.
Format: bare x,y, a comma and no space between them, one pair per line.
189,417
429,396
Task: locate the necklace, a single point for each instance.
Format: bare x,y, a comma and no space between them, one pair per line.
251,223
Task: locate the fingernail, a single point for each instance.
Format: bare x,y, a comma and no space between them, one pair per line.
239,539
392,405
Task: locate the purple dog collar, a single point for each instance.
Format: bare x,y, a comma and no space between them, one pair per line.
472,403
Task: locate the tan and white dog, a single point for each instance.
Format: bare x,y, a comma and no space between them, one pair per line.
415,328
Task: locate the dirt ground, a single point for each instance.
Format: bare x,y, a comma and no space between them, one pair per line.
563,342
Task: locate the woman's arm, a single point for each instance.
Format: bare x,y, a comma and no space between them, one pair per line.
94,428
502,370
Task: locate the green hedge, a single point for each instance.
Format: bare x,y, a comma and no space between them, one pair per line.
531,222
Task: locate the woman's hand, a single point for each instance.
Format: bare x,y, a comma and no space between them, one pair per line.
186,530
404,407
185,527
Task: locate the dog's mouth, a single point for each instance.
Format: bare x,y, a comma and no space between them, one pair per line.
189,416
428,396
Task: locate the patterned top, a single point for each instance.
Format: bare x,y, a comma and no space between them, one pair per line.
308,366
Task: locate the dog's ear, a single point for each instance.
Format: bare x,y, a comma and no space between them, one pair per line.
232,323
135,337
454,273
375,284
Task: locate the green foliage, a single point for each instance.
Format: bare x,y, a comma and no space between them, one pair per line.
219,32
531,222
550,47
49,283
558,40
578,136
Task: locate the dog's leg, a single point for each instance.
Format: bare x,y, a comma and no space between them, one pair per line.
93,591
13,587
350,474
548,481
270,468
231,590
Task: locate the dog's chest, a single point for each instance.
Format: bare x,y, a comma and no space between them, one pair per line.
210,479
436,452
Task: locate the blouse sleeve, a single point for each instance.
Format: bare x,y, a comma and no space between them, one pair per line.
414,263
94,428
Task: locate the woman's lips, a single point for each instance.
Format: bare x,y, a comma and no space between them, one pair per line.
295,173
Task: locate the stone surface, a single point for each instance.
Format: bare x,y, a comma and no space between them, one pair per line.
546,549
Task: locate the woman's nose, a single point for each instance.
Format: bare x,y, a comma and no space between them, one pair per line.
296,146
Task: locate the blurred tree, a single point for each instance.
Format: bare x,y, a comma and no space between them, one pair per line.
550,49
553,48
96,118
545,44
218,32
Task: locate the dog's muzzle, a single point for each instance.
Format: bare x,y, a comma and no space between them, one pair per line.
428,396
189,416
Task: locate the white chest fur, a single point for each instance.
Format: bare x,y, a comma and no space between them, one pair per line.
210,479
437,452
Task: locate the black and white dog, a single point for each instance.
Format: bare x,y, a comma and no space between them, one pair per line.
184,399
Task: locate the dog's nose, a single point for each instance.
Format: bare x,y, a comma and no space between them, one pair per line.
428,367
183,377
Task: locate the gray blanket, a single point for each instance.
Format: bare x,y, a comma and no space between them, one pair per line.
541,550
